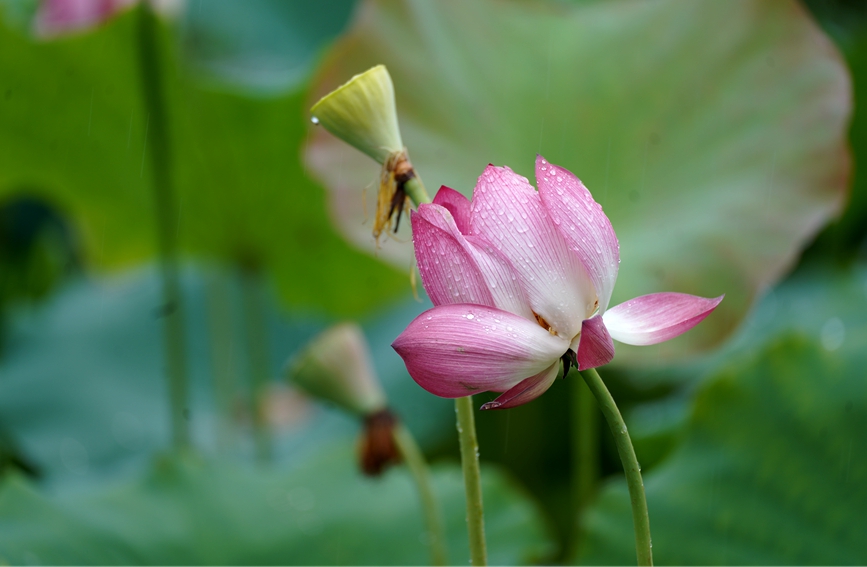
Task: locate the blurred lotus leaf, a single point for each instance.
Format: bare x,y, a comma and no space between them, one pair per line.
77,129
187,512
772,467
713,133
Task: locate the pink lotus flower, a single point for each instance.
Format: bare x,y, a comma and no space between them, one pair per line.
521,281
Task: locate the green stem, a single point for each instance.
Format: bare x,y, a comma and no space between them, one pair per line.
220,326
157,145
433,518
258,353
466,434
472,480
415,191
631,469
585,451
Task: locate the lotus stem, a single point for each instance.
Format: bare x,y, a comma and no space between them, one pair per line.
219,318
585,451
255,318
158,147
415,191
433,518
631,468
469,444
472,480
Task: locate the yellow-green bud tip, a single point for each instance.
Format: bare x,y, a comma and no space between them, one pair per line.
335,366
362,113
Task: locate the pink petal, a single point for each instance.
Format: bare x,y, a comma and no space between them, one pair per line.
582,223
526,390
457,205
448,272
459,269
508,213
657,317
458,350
58,17
595,347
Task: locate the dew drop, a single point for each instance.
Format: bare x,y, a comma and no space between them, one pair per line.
314,120
470,316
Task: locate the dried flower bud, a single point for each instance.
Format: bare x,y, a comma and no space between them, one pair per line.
335,366
377,448
362,113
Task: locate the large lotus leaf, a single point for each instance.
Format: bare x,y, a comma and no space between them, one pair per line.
73,131
260,46
84,398
773,464
320,512
713,133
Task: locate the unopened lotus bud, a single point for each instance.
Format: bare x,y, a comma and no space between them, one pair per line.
362,113
335,366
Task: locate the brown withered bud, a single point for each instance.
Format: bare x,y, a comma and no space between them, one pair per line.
377,448
391,199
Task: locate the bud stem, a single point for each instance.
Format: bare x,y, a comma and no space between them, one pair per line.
415,191
415,462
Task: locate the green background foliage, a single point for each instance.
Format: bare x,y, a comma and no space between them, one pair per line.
712,133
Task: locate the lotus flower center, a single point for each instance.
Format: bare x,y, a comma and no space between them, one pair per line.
544,324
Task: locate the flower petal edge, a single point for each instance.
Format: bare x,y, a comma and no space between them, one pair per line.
657,317
457,350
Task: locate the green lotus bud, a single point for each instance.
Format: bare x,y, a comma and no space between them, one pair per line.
335,366
362,113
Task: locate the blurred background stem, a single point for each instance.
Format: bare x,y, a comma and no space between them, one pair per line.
256,325
433,518
631,468
220,326
585,454
159,149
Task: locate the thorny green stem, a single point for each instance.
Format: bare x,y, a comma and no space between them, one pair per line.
472,480
257,351
467,435
433,518
585,451
631,469
158,146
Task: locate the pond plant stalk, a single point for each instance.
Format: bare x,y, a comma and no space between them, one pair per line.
584,418
349,382
362,113
158,147
631,468
256,323
469,444
414,460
